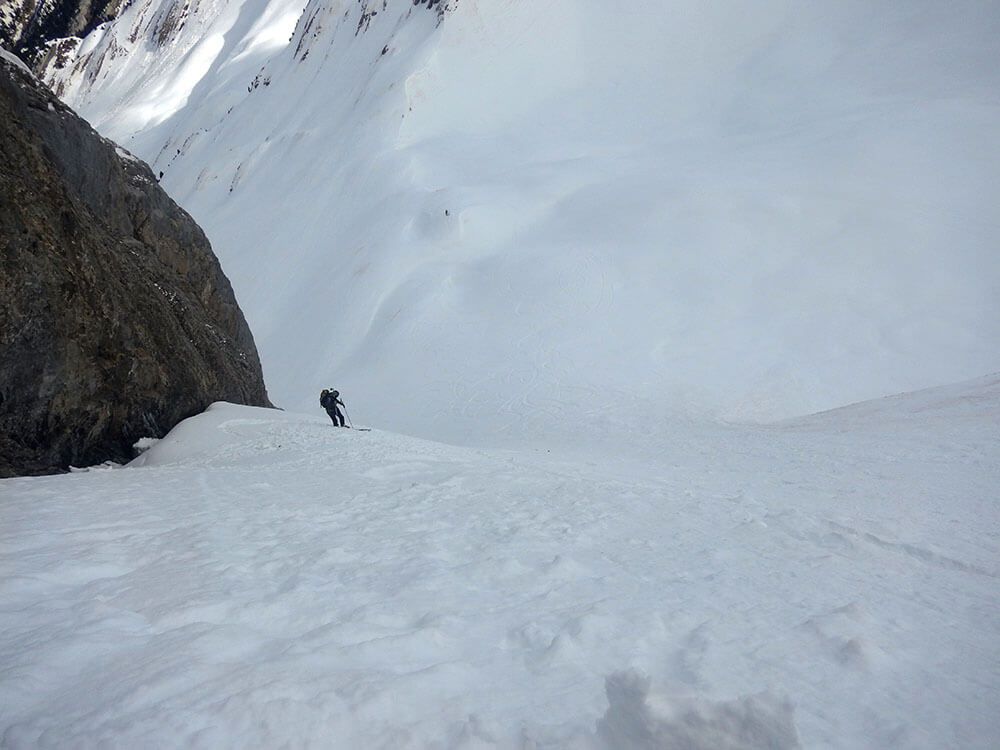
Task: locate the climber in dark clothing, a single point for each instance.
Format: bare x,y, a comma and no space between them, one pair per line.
329,401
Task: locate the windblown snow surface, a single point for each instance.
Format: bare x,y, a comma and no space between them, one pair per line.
557,244
261,579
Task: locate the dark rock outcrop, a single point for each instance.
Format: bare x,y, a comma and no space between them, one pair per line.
27,26
116,320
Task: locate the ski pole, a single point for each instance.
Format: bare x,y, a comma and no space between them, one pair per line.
349,422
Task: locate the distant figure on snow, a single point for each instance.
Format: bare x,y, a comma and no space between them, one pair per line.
329,400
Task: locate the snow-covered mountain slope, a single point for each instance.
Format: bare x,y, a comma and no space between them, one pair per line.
261,579
488,218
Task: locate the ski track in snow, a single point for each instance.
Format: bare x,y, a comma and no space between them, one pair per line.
269,581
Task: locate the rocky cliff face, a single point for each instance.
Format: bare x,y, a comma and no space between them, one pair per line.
116,321
26,26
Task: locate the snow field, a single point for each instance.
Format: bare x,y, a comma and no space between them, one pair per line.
564,237
261,579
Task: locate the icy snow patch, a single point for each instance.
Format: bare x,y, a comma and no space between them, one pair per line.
123,154
144,444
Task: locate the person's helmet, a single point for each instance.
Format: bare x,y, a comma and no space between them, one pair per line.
336,393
